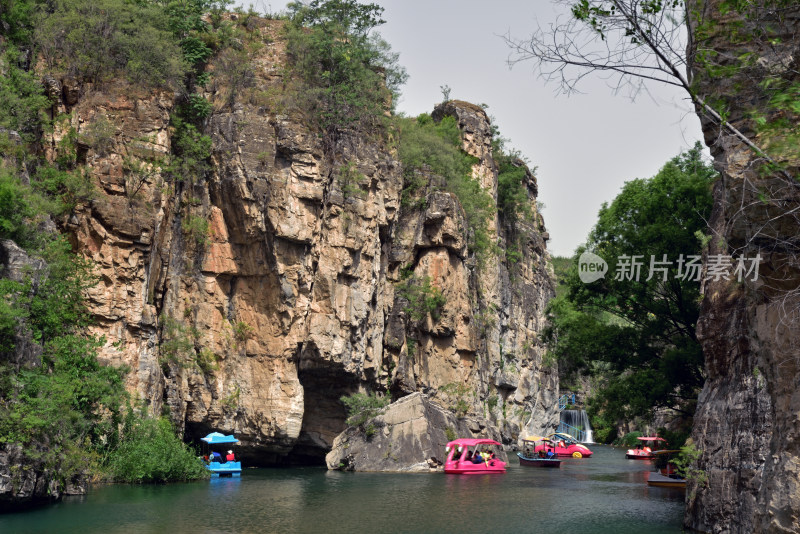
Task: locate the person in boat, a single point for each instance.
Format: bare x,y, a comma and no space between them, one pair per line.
229,457
477,457
468,457
216,457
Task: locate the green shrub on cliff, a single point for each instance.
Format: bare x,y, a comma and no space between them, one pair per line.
150,451
427,145
22,99
362,406
422,298
99,39
348,74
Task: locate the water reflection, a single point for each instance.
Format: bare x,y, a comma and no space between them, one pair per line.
602,494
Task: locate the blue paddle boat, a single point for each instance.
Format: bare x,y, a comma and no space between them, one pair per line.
222,464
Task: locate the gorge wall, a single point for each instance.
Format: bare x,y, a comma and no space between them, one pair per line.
250,299
746,422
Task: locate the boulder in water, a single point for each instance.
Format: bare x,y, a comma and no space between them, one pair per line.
410,436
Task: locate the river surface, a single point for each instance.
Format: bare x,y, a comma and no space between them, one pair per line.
598,495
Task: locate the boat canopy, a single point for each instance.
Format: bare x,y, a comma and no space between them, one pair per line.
565,437
534,438
652,439
472,442
216,437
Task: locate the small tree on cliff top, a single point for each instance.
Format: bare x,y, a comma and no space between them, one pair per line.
349,73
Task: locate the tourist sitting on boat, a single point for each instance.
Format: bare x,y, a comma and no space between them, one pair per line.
477,457
216,457
229,457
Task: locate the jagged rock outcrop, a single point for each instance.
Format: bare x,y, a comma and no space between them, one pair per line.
746,420
410,436
258,326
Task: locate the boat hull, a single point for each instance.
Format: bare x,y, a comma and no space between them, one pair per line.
633,455
468,468
227,469
661,481
539,462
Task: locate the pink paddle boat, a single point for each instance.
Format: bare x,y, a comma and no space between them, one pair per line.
472,457
566,446
645,449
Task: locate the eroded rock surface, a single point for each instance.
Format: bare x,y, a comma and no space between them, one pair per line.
747,417
410,436
260,324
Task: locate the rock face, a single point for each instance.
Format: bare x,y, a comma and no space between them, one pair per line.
746,421
409,437
260,324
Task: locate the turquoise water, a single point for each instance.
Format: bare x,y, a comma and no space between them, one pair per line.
602,494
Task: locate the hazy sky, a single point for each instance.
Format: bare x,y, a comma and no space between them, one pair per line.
585,146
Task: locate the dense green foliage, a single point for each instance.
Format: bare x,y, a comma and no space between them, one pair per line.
99,39
637,336
363,406
427,146
64,410
348,73
151,452
63,407
22,99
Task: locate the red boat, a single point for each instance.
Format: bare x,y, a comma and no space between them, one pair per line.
473,457
645,450
566,446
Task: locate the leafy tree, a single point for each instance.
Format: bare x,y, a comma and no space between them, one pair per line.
96,40
349,74
639,335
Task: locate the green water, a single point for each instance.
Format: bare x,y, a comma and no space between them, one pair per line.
602,494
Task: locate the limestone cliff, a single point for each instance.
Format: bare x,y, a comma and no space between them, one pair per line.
746,421
257,326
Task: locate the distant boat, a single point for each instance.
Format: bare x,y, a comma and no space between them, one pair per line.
645,450
566,446
545,457
472,457
218,463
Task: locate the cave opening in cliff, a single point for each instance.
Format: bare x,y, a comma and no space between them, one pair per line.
324,414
